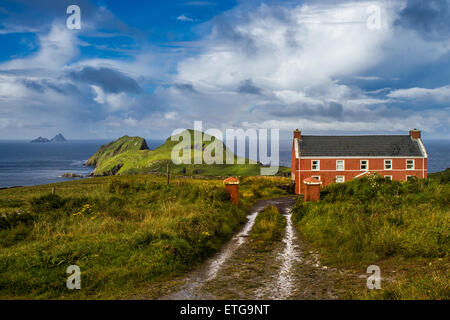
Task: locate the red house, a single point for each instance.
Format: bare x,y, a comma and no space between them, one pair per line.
338,159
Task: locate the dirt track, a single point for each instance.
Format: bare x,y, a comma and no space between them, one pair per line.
285,270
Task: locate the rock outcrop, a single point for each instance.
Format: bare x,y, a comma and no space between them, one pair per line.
40,140
58,138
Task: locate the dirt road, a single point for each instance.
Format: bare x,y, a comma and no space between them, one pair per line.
285,270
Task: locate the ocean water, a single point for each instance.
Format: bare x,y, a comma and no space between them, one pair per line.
25,164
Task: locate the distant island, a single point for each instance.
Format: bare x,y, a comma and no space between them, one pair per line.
58,138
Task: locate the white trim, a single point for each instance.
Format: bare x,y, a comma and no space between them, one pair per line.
389,177
318,162
372,170
343,164
384,162
360,157
343,179
361,174
367,165
423,168
422,148
317,177
413,164
297,153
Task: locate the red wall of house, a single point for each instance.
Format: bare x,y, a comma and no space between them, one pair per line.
328,171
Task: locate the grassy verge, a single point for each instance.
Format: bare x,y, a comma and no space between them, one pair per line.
269,227
125,233
378,221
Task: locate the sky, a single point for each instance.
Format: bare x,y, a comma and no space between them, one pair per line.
147,68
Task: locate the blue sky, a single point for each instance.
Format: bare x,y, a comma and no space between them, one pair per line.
148,67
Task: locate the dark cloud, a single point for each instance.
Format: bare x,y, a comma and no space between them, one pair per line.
431,18
111,81
44,84
38,15
326,110
247,86
185,87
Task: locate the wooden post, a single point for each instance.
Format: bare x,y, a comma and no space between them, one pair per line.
53,190
168,173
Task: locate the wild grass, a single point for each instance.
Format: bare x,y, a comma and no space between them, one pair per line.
123,232
371,219
269,227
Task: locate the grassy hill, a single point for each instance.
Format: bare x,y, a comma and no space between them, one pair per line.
130,155
128,234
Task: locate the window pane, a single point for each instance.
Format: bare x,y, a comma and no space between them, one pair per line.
364,165
315,165
387,164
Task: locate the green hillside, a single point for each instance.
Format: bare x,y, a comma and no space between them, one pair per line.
131,155
129,234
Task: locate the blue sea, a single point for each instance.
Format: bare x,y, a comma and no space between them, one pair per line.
25,164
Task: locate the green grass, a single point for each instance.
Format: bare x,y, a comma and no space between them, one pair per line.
442,177
268,228
374,219
124,232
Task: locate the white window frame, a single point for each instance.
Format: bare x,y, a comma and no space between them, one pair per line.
413,164
390,177
343,165
318,165
317,177
336,179
385,164
410,175
367,165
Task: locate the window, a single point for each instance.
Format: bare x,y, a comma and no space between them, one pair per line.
387,164
317,177
340,179
315,165
409,164
364,165
340,166
388,177
410,178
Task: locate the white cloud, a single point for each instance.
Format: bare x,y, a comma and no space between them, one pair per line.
100,95
171,115
57,48
441,94
184,18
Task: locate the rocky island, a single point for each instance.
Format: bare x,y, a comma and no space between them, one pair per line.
58,138
40,140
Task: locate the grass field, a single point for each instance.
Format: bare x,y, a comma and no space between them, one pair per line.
124,232
397,225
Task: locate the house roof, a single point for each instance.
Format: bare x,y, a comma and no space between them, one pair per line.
364,146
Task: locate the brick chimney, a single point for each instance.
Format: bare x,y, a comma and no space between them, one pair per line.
297,134
415,134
